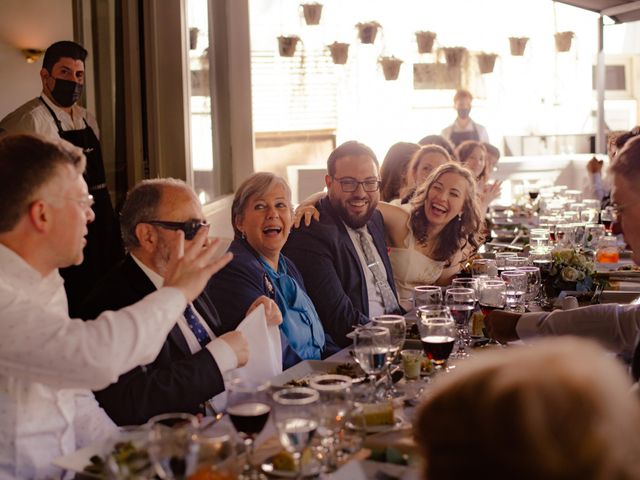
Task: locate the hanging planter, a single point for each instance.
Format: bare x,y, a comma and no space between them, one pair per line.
367,31
563,41
287,45
312,13
517,45
193,38
390,67
454,55
339,52
486,62
425,41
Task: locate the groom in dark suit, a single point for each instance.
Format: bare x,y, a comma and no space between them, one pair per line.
188,370
343,258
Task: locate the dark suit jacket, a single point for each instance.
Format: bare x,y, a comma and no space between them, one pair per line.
234,288
327,259
177,380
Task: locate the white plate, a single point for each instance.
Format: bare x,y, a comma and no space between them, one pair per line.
398,424
305,370
310,469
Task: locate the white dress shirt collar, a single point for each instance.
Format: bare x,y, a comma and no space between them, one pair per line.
156,279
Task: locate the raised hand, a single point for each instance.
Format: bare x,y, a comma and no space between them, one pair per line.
271,310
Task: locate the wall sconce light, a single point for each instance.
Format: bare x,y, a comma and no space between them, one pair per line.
31,55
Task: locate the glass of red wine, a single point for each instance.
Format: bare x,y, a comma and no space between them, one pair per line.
461,302
296,420
607,218
438,336
492,296
248,407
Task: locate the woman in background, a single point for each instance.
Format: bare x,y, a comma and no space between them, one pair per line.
393,172
423,162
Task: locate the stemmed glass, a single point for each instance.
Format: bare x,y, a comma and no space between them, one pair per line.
172,447
606,218
397,332
333,407
296,420
492,296
437,336
484,268
472,283
371,346
461,302
544,262
426,295
434,311
248,407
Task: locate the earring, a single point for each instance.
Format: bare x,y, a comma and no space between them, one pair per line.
460,217
243,236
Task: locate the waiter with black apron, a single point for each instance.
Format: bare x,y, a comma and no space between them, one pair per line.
463,128
55,113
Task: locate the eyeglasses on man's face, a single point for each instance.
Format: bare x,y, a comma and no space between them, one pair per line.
85,201
190,228
349,184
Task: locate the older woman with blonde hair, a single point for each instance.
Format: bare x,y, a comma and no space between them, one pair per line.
558,410
261,215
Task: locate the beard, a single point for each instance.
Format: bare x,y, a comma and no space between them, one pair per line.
161,256
354,221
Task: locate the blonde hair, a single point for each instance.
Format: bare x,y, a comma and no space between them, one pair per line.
557,410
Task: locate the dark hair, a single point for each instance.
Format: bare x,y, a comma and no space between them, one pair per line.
622,138
141,206
491,150
460,94
627,160
257,184
62,49
393,172
347,149
27,162
465,149
458,232
438,140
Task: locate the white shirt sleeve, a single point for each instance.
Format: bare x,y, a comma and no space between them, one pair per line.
91,423
616,326
223,354
40,346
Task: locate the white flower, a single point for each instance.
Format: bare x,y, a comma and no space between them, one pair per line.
570,274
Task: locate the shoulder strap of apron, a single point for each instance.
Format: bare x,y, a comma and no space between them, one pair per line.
55,119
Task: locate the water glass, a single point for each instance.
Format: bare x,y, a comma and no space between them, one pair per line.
427,295
484,268
533,283
296,420
371,347
397,327
434,311
472,283
172,447
216,453
516,286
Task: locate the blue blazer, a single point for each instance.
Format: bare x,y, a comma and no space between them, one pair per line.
330,266
235,288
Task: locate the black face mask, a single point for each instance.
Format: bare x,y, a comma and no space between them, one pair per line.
464,112
66,92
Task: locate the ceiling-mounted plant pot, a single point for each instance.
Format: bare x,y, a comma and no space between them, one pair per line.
339,52
425,41
287,45
563,41
312,13
454,55
390,67
367,31
517,45
486,62
193,38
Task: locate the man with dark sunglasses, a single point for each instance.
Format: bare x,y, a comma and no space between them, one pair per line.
343,257
188,370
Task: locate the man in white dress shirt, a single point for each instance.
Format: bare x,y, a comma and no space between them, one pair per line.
48,362
198,351
617,326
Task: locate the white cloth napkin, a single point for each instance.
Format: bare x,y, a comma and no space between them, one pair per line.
265,351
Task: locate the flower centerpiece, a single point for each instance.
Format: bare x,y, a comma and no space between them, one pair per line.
570,270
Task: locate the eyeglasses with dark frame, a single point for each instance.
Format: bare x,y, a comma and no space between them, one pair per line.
350,185
190,227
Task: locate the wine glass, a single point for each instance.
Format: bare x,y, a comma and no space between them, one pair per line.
333,407
492,296
516,285
248,408
434,311
426,295
472,283
533,283
172,447
437,336
296,420
397,332
501,260
607,216
484,268
370,346
544,262
216,453
461,302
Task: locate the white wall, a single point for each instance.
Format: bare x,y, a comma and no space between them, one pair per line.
28,24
